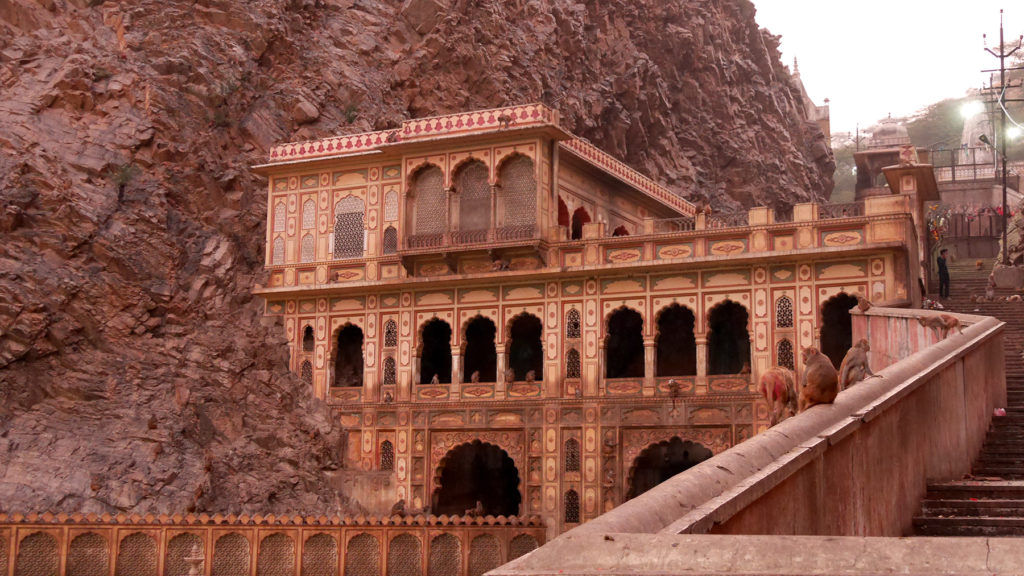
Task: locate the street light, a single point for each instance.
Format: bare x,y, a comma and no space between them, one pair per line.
970,109
1013,132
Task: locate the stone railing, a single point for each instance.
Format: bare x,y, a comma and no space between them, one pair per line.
846,210
260,545
460,238
856,469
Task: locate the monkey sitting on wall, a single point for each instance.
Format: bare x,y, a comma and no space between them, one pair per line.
855,365
820,381
944,323
777,385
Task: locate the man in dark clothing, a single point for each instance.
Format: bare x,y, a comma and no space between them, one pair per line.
943,274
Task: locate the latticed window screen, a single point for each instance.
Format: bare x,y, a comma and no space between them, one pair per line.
390,244
277,254
87,556
518,192
307,373
349,234
387,455
572,455
520,545
572,324
308,339
279,217
474,197
445,556
390,334
179,548
390,374
572,507
277,556
784,313
4,558
231,555
572,364
137,556
429,198
362,557
404,557
785,355
484,555
391,206
320,556
37,556
308,248
308,214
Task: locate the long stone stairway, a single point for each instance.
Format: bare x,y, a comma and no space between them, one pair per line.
990,502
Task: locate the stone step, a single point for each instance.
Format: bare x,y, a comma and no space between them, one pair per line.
999,472
969,526
979,489
964,508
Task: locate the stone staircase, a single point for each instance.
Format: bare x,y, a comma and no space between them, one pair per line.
990,502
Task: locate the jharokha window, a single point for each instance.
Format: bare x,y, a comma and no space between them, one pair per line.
349,233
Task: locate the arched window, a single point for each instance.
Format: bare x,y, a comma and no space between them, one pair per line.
728,339
579,218
784,355
306,373
308,340
477,472
349,234
391,206
526,352
436,352
572,507
308,248
279,217
404,556
518,194
87,555
308,214
572,364
362,555
474,196
572,324
231,555
348,358
676,345
563,214
572,455
38,554
390,375
480,356
661,461
837,327
429,201
319,556
624,353
277,254
390,243
390,334
784,312
445,556
387,455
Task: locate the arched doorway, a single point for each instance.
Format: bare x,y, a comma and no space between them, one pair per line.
480,354
308,340
525,351
728,339
579,218
477,471
837,327
436,352
563,214
348,357
677,346
624,353
661,461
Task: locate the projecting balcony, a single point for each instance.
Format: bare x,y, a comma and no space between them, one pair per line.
470,239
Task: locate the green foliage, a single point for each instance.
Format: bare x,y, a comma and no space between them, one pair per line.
124,174
351,113
938,125
845,175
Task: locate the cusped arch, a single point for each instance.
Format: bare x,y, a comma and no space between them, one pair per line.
836,327
524,341
178,549
320,556
346,352
671,456
276,556
445,556
484,555
517,196
728,325
426,201
362,555
137,555
231,555
37,555
521,545
501,495
624,343
405,556
88,555
675,341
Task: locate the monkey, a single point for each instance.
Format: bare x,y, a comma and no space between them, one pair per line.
777,385
944,323
820,381
1014,298
531,377
435,380
863,304
475,377
855,365
398,509
478,510
504,120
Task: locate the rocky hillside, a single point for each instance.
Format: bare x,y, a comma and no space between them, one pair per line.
136,373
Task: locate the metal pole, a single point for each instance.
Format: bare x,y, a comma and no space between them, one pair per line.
1002,133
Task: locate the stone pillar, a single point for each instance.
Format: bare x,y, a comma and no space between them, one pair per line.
702,364
449,196
594,388
415,370
649,366
494,213
500,385
456,386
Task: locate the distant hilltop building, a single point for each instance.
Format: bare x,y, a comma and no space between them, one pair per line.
820,115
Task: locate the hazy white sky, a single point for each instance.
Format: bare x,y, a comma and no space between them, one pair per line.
873,57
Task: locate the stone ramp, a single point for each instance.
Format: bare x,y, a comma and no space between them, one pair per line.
991,501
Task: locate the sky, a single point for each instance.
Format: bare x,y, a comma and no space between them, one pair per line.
871,57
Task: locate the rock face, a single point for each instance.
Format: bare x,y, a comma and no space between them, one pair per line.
136,373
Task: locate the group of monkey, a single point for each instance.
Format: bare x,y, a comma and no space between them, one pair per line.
820,383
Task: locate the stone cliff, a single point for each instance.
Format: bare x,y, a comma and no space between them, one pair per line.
136,373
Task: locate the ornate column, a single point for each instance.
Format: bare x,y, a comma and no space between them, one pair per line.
649,365
593,388
449,194
702,364
494,212
499,387
456,385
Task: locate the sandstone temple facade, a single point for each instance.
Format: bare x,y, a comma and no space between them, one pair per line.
509,320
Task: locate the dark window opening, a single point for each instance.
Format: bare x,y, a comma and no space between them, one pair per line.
348,359
728,339
526,353
620,231
579,218
677,346
624,354
837,327
436,352
477,472
480,354
308,340
661,461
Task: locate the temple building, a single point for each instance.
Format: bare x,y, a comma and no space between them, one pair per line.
508,320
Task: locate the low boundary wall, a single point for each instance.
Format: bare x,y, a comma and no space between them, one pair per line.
856,468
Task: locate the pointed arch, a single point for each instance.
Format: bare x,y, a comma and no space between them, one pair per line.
784,312
306,373
479,353
390,372
348,356
784,355
518,191
390,334
675,341
308,253
389,245
572,364
579,217
349,227
435,351
277,253
280,219
572,324
624,344
391,206
563,215
428,209
572,507
525,349
728,338
308,339
572,455
387,456
837,327
474,195
309,214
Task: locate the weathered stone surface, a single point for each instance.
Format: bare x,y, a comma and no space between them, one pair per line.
135,371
